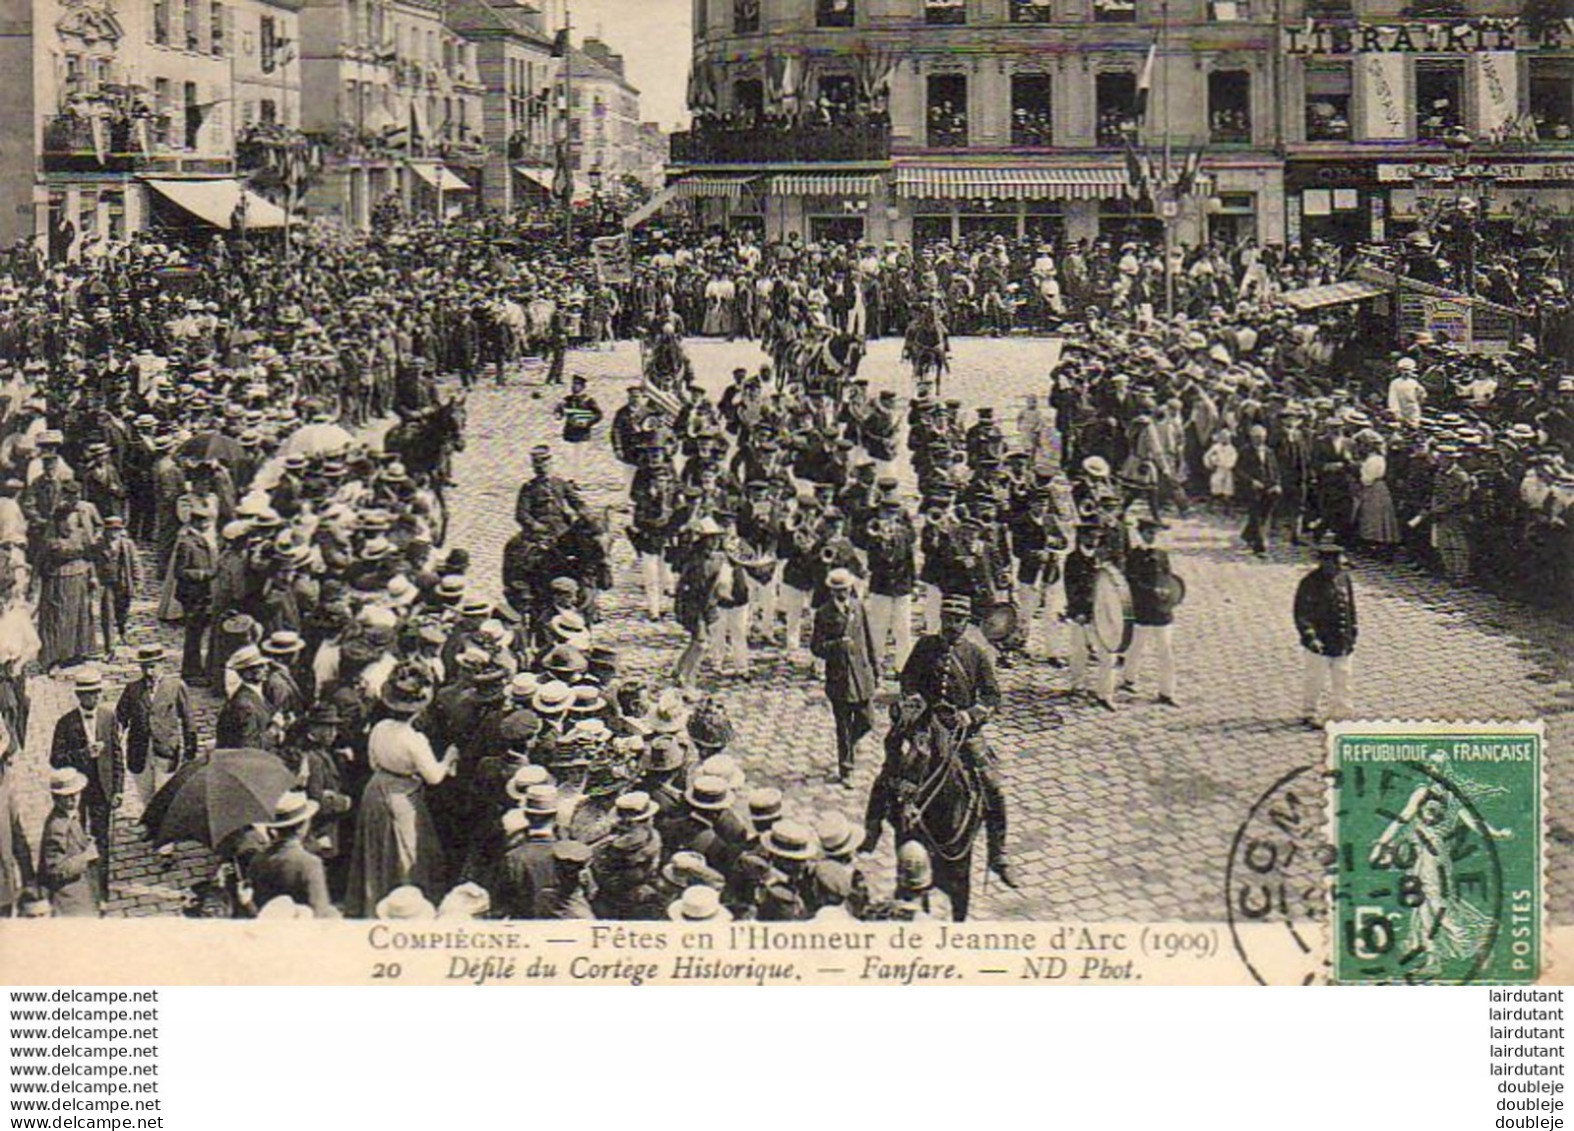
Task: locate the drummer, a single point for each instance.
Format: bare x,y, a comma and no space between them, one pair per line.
1082,572
1155,591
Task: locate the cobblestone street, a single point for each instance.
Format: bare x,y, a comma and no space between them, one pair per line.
1124,816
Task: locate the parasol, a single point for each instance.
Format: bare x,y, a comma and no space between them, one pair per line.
209,799
316,439
214,445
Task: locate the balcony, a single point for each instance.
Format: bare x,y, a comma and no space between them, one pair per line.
779,145
464,151
70,145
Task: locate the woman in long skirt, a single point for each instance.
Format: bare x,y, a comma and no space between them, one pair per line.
1377,523
66,595
396,841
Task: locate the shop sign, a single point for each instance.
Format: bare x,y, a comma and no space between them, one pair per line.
1430,37
1504,172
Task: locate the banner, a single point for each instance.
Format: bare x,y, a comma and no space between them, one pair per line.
1382,83
614,260
1497,86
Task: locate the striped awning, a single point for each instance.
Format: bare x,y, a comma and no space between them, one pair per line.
1008,183
725,188
826,184
1331,294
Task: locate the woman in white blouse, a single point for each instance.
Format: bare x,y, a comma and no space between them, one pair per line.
1377,522
396,841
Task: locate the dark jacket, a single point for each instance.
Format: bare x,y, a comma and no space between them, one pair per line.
1258,476
157,718
1325,613
1147,571
288,868
841,638
243,720
105,768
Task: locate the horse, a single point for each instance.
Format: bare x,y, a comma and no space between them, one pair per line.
927,347
939,803
826,359
426,441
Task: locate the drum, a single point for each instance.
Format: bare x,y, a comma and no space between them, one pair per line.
1172,592
999,623
1112,618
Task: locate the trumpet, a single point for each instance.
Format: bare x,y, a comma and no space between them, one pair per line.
827,555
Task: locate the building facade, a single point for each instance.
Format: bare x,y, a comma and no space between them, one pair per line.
922,119
1385,108
133,112
394,97
603,115
516,68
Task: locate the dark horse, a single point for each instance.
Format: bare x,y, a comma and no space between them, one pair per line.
425,441
927,346
939,803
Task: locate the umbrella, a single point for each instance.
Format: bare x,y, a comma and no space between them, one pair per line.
209,799
315,439
215,445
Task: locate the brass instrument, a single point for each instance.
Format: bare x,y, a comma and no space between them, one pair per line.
758,564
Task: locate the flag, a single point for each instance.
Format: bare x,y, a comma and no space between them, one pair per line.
1191,171
562,176
1137,187
1139,107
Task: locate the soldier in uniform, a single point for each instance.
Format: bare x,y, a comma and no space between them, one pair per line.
1151,581
1081,570
954,677
890,541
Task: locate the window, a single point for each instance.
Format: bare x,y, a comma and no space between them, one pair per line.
1329,9
1032,117
1236,219
1328,88
1229,11
74,82
349,111
1115,98
216,28
163,109
1115,11
745,16
1032,11
945,12
193,36
161,22
833,13
193,116
748,101
1230,107
269,52
838,99
947,111
268,113
1552,98
1440,97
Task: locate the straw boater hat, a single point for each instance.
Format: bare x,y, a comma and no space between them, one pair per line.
405,902
698,904
525,778
66,780
294,808
790,840
467,901
708,792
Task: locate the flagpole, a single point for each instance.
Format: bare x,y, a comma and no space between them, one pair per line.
568,132
1171,204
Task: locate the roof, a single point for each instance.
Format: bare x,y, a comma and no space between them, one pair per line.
587,67
486,18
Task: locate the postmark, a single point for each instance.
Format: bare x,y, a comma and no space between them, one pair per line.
1438,831
1276,882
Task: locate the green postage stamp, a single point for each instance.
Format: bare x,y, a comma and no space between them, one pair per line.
1438,833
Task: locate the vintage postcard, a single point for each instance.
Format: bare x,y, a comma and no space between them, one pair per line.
1060,492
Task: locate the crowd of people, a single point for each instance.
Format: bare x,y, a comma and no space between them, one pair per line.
197,415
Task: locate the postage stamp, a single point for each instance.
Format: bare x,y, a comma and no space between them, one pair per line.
1438,834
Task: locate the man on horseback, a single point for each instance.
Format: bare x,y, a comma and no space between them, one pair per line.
949,678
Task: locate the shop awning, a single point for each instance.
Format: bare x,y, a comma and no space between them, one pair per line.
214,202
1010,183
826,184
724,188
536,175
1331,294
440,177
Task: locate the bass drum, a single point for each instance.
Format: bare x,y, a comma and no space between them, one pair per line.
1112,617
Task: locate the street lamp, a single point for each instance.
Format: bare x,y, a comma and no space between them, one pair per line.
595,176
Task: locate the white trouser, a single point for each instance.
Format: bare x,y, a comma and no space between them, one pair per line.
1160,637
763,600
628,479
1083,650
1331,673
795,602
891,616
1040,603
730,644
932,598
152,778
653,568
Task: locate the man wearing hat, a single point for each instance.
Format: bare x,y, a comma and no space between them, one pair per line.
154,713
246,719
842,640
1449,512
1261,483
287,867
119,568
87,739
524,885
71,864
1153,592
1325,620
950,680
569,899
193,567
890,539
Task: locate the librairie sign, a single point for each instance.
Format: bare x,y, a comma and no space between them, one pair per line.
1429,37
